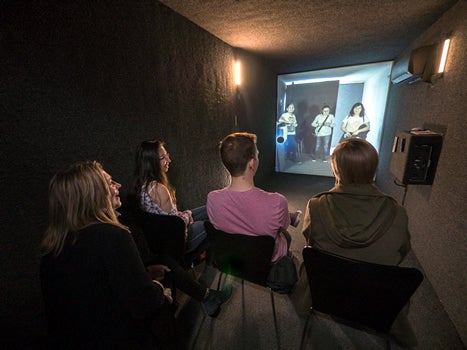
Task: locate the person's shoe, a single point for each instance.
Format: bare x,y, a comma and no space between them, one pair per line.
215,298
295,218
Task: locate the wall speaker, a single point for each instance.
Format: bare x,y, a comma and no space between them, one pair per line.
415,156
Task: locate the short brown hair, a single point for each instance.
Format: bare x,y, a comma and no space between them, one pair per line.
236,150
355,161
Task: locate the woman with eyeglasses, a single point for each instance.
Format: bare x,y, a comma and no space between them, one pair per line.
154,194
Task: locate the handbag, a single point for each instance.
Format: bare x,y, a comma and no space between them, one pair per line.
283,275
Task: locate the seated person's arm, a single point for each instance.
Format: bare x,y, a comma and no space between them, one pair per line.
405,243
157,272
306,229
283,215
161,196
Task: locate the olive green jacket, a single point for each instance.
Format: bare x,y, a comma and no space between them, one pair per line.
358,222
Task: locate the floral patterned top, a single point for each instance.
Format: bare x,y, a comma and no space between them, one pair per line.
149,206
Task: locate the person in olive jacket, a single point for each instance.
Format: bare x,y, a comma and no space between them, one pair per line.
356,220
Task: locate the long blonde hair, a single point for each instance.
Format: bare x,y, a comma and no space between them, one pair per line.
79,196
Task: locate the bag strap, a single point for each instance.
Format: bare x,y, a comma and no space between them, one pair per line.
323,123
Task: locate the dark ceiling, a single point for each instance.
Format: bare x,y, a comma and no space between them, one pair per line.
297,35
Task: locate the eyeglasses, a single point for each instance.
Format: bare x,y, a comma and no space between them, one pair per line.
164,156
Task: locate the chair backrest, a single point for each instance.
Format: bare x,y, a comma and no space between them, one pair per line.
246,257
366,295
165,234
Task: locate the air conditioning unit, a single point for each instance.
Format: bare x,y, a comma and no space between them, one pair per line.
412,67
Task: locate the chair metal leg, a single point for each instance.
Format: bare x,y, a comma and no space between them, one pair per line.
219,280
275,319
198,332
302,343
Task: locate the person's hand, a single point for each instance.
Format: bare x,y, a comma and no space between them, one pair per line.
157,272
190,215
166,291
168,295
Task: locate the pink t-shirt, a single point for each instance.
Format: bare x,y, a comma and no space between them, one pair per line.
254,213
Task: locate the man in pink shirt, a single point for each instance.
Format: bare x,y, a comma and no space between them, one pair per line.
243,208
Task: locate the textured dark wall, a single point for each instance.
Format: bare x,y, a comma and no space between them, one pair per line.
90,80
437,213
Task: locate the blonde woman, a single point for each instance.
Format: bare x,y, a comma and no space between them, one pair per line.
96,291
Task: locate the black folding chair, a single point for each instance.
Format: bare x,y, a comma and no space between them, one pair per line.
165,234
360,294
242,256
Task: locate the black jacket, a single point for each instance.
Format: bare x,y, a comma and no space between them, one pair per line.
97,293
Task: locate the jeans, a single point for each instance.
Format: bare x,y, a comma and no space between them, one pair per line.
180,278
291,147
196,232
322,146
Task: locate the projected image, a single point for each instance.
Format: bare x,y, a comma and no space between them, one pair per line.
318,109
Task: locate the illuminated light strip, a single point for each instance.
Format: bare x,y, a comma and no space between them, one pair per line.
444,55
238,76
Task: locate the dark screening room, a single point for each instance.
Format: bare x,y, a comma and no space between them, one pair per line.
233,174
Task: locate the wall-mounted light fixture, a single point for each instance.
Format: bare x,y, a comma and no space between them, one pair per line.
237,73
435,61
444,55
426,63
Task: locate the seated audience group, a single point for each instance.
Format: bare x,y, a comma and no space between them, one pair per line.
98,292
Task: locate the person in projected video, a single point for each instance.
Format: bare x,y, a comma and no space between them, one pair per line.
323,124
356,124
289,120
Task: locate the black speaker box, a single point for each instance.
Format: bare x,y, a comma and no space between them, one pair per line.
415,156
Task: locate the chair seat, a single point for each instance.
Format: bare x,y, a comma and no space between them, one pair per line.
361,294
